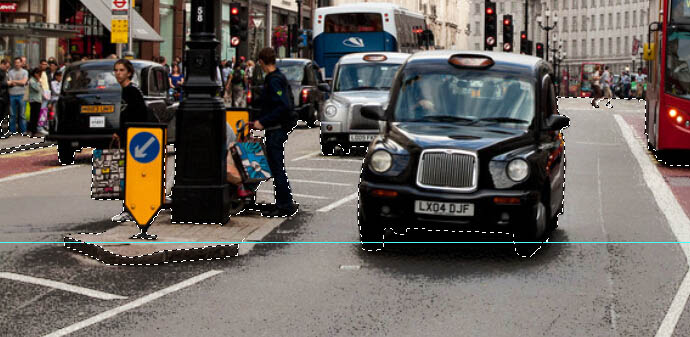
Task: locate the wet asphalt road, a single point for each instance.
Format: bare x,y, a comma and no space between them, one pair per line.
323,289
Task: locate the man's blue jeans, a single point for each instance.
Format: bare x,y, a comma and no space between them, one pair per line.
275,153
17,105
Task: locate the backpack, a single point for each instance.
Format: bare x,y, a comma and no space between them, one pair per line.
288,121
237,79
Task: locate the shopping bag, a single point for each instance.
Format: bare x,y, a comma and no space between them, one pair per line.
43,118
249,154
27,111
108,174
233,175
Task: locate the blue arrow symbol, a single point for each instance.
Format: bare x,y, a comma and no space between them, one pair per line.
140,152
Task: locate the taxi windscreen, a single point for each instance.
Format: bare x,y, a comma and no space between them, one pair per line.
465,96
92,79
365,76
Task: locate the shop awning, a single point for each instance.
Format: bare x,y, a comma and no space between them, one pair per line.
38,29
140,28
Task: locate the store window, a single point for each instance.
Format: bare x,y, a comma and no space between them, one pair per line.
167,29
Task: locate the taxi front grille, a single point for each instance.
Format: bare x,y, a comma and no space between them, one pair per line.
359,122
454,170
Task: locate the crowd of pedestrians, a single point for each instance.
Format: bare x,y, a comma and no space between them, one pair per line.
26,90
236,75
629,86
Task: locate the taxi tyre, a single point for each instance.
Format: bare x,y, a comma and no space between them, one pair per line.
533,230
65,153
311,117
371,236
327,149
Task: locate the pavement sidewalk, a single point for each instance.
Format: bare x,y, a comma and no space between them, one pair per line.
176,242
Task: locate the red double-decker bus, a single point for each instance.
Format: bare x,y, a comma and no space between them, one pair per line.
668,90
586,71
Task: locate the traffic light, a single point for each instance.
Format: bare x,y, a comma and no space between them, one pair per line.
489,25
235,25
524,49
244,23
293,36
508,33
417,30
540,49
310,37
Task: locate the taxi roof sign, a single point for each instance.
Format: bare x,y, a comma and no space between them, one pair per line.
145,171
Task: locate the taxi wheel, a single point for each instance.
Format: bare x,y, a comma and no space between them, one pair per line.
65,153
531,231
327,149
312,117
371,234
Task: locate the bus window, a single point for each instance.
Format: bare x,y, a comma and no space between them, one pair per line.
353,23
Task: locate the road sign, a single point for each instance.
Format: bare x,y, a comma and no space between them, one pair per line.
490,40
144,171
119,30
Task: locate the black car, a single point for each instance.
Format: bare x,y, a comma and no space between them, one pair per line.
88,109
471,142
308,87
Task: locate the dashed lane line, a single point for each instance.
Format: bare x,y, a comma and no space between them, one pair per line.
307,155
134,304
297,195
62,286
320,170
675,216
338,203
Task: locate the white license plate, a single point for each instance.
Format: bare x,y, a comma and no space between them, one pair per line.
443,208
362,138
97,121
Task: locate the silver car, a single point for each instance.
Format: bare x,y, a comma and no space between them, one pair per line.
359,78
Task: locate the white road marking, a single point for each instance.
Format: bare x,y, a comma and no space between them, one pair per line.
350,267
297,195
337,160
320,182
307,155
330,207
675,216
320,170
62,286
31,174
131,305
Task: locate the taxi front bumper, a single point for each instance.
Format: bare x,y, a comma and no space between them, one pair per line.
396,206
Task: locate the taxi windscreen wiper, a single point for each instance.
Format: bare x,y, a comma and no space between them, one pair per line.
365,88
503,120
443,118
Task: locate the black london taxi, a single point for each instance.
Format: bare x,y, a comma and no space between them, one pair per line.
471,142
88,109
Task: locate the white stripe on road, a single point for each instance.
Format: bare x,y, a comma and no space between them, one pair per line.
338,203
131,305
320,170
31,174
337,160
307,155
296,195
675,216
62,286
320,182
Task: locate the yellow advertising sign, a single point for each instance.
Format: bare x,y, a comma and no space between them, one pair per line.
119,30
144,172
233,115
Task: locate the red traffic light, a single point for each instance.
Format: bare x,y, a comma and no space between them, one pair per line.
489,10
538,46
506,22
523,36
234,11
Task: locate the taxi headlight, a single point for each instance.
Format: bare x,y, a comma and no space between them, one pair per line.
331,110
381,161
517,170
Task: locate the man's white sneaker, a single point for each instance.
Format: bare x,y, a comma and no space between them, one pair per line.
123,217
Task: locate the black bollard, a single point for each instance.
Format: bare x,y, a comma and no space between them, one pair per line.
201,193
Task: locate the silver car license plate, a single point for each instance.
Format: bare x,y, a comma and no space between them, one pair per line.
362,137
97,121
443,208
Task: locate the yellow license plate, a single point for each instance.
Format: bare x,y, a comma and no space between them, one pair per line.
97,109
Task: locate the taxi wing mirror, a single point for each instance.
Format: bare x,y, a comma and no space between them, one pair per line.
556,122
373,111
324,87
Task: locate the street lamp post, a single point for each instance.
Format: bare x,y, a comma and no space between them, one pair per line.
547,28
201,193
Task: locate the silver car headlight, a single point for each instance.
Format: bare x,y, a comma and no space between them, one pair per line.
518,170
331,110
381,161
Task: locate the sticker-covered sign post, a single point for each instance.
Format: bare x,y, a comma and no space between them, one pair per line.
145,174
119,23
